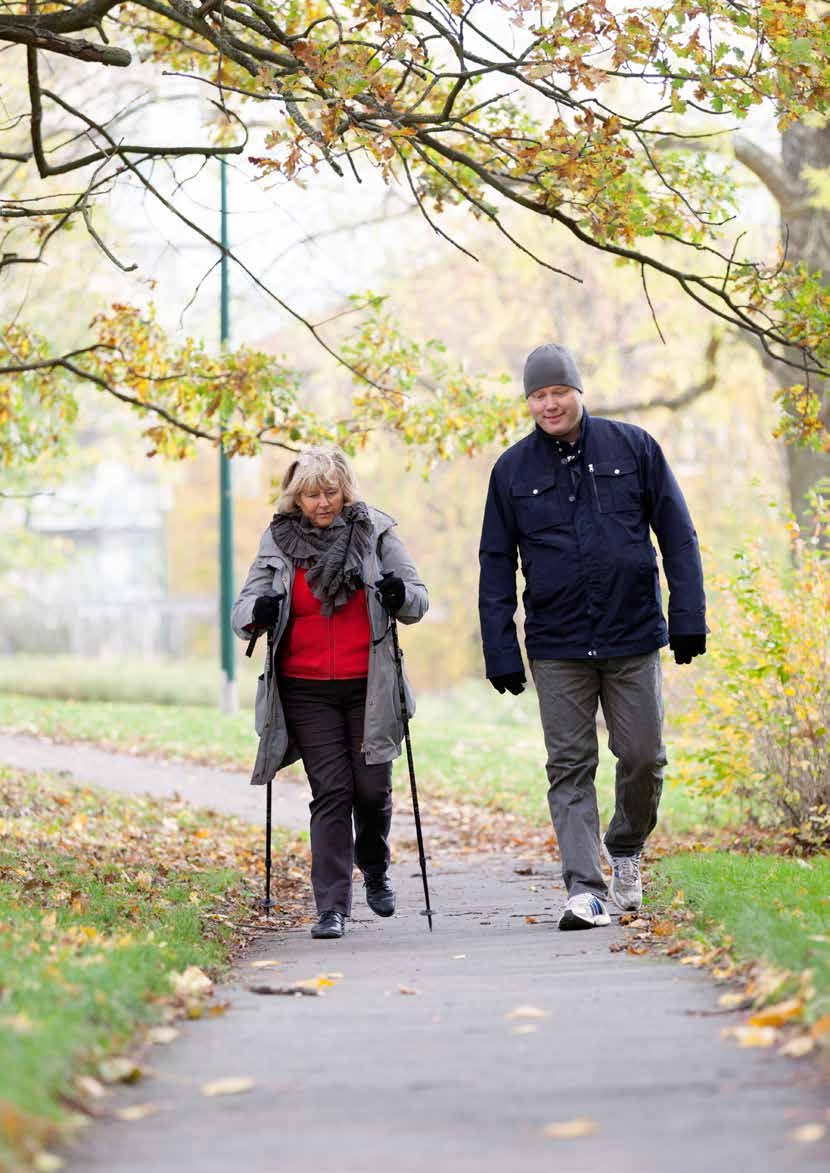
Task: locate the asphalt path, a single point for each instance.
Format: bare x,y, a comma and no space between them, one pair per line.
453,1051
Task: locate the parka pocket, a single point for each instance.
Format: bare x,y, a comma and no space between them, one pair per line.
276,567
618,486
260,705
536,504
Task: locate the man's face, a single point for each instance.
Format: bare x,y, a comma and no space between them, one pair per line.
557,411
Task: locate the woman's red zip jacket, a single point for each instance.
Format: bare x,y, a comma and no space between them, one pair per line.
325,647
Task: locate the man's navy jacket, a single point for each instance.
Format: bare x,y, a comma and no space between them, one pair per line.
590,569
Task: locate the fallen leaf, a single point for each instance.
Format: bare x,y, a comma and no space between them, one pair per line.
732,1001
752,1036
232,1086
47,1163
799,1046
268,963
20,1023
407,990
458,956
161,1035
119,1070
569,1129
530,920
192,983
525,1028
808,1133
90,1087
821,1026
137,1111
637,950
527,1012
779,1014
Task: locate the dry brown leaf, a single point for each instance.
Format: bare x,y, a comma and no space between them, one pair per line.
570,1129
407,990
90,1087
778,1014
808,1133
530,920
527,1012
232,1086
47,1163
266,963
137,1111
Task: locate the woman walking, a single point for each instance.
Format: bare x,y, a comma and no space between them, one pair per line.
329,573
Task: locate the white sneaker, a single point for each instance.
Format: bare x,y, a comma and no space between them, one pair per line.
584,911
626,887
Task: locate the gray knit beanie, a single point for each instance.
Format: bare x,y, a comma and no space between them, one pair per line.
551,365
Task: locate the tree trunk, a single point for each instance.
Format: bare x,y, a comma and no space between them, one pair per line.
807,232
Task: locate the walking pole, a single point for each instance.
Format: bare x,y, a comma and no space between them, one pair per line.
267,904
427,912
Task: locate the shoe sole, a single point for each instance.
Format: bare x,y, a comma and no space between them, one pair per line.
569,921
327,936
612,890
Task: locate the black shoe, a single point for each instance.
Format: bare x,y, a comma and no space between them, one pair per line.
329,924
380,895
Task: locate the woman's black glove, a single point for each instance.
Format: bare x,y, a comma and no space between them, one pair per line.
686,647
267,610
512,681
391,592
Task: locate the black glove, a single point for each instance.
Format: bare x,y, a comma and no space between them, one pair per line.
512,681
267,610
391,592
686,647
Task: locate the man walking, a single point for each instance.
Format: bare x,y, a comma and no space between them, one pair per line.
574,501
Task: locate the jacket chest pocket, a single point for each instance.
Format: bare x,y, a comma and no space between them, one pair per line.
618,486
277,570
536,504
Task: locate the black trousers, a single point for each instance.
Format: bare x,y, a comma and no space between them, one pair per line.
325,718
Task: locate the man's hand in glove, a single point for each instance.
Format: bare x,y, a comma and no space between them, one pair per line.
266,610
391,592
512,681
686,647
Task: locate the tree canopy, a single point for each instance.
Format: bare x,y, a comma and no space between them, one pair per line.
603,118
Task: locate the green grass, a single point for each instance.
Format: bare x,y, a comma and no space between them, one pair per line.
773,908
132,680
187,731
101,899
470,744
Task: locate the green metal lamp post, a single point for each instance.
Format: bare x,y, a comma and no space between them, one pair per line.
228,697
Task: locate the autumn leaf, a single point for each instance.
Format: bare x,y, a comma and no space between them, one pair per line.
231,1086
752,1036
137,1111
809,1133
119,1069
527,1012
571,1129
192,983
779,1014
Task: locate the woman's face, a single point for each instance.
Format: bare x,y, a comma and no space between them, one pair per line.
321,504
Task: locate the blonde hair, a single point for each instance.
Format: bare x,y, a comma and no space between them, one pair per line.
316,467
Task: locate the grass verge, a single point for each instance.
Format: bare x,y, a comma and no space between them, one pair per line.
102,899
470,745
769,910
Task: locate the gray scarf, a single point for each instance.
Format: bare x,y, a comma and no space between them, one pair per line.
332,556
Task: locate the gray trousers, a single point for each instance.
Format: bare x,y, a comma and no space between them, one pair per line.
630,690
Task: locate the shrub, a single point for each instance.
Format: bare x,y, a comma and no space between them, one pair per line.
759,728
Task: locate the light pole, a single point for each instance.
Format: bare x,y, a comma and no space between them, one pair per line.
228,695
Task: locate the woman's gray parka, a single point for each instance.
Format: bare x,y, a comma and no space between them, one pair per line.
383,729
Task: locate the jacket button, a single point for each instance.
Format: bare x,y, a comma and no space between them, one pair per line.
616,472
571,498
535,491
